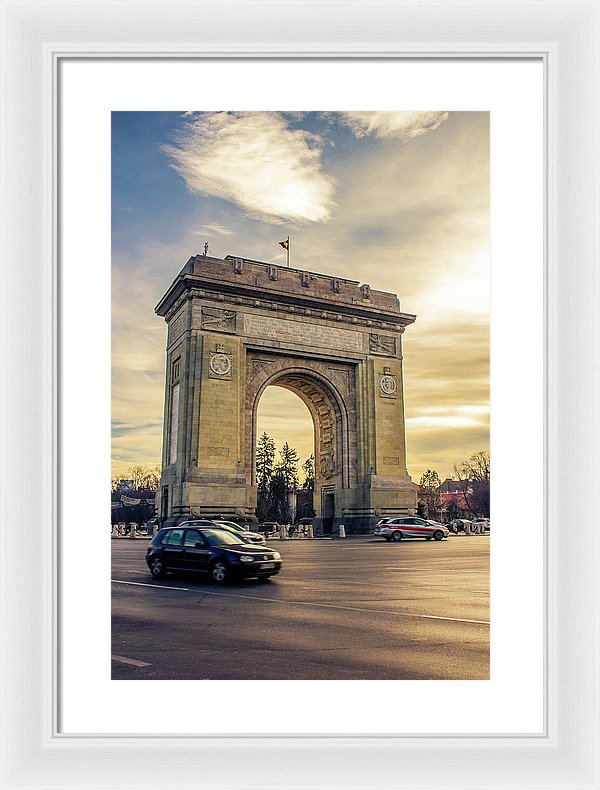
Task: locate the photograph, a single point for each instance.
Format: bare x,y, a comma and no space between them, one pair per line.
300,395
288,285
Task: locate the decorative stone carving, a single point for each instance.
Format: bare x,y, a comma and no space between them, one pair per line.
366,291
302,332
388,386
177,327
217,452
340,377
382,344
257,365
272,272
219,365
238,266
218,320
326,466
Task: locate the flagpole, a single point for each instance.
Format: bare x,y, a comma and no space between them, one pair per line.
288,252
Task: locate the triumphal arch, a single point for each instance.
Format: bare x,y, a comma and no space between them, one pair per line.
238,326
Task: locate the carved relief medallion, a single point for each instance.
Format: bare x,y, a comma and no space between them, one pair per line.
219,365
388,386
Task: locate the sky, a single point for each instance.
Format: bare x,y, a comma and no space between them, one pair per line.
399,200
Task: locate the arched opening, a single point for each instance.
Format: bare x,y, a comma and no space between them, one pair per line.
286,456
334,427
284,416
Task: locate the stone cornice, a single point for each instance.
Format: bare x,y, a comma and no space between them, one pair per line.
187,284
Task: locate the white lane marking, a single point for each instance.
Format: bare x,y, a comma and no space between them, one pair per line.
158,586
353,608
433,570
309,603
132,661
406,568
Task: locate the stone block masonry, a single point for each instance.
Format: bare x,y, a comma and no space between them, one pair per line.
237,326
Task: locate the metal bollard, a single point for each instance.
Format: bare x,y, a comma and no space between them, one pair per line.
282,535
311,531
342,531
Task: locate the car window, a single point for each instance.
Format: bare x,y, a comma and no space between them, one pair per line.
173,537
192,536
220,537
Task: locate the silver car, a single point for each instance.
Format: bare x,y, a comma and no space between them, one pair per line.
410,527
249,537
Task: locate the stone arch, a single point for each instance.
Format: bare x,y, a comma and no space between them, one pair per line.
329,396
235,327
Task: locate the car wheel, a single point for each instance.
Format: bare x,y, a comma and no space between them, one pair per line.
157,568
219,572
438,535
397,535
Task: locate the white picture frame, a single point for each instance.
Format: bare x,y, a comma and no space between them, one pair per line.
34,38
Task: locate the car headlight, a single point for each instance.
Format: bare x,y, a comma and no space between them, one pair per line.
246,558
276,555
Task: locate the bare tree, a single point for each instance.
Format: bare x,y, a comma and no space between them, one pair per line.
430,483
474,479
144,477
140,486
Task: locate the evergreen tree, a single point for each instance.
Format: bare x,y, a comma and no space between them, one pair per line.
288,466
309,474
265,459
279,501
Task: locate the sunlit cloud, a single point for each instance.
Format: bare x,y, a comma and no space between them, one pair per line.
403,125
256,161
440,421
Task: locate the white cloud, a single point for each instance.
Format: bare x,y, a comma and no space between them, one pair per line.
403,125
213,227
256,161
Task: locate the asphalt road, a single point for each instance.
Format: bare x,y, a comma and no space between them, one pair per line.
358,608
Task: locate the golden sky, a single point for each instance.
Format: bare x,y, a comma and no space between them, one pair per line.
396,200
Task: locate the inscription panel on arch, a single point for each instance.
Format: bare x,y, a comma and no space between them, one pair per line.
301,332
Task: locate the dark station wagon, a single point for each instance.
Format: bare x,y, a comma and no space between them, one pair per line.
217,552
